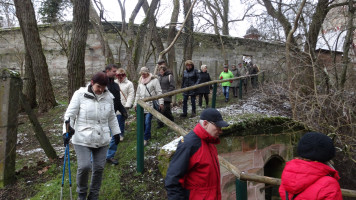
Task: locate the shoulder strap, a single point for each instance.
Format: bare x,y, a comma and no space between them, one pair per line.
148,90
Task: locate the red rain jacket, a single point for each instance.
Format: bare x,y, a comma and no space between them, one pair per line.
194,171
309,180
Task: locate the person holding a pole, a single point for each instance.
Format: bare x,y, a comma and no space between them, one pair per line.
194,171
91,113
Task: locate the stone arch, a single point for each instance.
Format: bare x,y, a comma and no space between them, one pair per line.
273,168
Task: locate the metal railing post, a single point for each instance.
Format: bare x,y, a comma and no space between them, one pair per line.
213,101
241,189
240,88
140,150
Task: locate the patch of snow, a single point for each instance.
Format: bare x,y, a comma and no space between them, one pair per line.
172,146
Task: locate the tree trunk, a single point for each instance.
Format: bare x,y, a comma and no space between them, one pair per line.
76,63
347,43
141,33
29,86
132,75
171,34
39,133
225,17
99,29
189,27
26,15
156,36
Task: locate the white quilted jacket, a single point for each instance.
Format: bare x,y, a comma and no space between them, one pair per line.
92,118
127,92
153,86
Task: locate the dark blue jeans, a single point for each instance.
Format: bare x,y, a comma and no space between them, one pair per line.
185,103
112,146
148,119
226,91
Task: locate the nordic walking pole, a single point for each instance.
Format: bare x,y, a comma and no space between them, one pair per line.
66,153
64,170
70,176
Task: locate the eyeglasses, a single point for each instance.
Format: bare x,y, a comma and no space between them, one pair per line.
121,75
214,125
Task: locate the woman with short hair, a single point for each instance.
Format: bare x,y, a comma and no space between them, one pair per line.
205,90
148,85
91,113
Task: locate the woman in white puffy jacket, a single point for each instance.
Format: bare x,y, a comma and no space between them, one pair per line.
91,113
148,86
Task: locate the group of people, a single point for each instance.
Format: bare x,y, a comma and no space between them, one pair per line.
97,113
96,116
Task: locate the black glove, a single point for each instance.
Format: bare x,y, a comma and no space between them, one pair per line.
125,115
116,139
67,137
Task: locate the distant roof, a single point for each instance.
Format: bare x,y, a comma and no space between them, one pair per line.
331,40
252,30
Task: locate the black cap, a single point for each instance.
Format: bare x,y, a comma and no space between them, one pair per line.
213,115
316,146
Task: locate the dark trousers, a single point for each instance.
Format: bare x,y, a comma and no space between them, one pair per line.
234,91
185,103
206,97
167,112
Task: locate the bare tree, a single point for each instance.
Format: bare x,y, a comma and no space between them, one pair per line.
76,64
95,20
188,32
171,34
29,86
348,42
26,16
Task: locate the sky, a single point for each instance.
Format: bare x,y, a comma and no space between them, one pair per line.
113,13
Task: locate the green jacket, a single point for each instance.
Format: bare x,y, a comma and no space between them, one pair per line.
226,75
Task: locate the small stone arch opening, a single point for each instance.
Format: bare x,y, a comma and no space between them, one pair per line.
273,168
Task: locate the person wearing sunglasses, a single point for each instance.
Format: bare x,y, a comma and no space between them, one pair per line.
194,171
127,92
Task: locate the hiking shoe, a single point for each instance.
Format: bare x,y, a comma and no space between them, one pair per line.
226,100
121,138
183,115
112,161
145,142
193,114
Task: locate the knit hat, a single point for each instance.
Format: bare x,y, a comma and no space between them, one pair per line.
316,146
161,61
144,70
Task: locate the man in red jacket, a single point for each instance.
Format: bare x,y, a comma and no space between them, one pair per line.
194,171
311,176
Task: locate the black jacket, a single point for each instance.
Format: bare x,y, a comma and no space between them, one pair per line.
190,78
204,77
167,84
114,88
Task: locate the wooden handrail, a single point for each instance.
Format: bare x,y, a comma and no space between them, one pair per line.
230,167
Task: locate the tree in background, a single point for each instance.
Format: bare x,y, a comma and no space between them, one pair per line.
76,59
188,42
26,16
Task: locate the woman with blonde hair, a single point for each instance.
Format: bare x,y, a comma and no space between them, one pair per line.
148,85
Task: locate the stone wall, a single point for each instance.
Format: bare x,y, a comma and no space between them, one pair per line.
207,50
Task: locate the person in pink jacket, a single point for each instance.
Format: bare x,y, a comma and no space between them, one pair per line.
311,176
